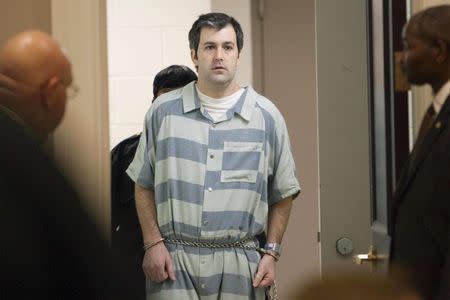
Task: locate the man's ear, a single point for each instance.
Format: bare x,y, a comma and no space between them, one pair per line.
194,57
48,90
443,51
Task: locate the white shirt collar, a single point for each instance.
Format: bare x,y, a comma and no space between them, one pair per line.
219,101
441,96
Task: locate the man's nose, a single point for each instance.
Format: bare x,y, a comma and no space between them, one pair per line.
219,54
400,59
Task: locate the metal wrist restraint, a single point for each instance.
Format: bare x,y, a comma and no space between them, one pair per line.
245,244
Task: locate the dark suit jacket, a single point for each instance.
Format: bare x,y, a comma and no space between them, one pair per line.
421,212
49,247
126,234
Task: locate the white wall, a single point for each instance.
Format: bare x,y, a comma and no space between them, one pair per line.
144,36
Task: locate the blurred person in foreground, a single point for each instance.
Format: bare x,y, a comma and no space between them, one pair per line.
346,285
50,249
420,215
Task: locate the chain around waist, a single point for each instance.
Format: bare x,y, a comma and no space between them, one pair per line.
247,243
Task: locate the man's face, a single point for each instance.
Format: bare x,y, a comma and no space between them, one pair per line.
417,60
217,56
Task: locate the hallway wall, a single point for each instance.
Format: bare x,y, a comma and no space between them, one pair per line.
288,60
81,142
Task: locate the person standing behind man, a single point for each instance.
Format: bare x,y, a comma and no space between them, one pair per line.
421,208
213,168
126,236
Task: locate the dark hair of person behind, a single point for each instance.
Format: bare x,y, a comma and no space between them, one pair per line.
433,23
172,77
216,21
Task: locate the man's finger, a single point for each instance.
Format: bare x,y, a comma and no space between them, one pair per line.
266,282
160,277
146,271
257,279
170,270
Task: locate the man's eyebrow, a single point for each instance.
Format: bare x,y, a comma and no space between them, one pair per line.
211,43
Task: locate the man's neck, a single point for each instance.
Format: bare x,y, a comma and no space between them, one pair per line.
440,81
436,86
218,92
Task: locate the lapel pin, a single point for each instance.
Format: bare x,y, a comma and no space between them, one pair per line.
438,124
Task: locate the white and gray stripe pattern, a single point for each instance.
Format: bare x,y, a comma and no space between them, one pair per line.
213,182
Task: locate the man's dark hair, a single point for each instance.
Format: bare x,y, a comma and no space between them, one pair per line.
433,23
217,21
172,77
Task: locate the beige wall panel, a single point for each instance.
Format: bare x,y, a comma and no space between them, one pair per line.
82,141
257,45
19,15
241,11
289,80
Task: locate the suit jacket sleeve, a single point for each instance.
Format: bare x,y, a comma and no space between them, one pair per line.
444,193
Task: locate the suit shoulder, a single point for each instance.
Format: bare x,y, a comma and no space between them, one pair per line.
131,141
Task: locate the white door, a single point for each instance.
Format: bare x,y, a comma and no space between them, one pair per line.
358,122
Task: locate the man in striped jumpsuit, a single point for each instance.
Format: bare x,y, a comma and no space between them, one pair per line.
212,170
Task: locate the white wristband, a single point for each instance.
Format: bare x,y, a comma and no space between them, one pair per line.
273,247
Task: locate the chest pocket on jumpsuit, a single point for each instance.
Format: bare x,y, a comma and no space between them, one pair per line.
241,161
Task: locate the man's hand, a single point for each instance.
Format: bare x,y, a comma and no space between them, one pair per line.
157,264
265,275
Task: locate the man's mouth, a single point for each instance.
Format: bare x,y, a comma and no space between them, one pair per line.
218,68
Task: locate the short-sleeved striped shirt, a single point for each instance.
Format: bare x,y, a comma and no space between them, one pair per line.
213,181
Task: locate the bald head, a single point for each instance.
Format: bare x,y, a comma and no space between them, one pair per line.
32,57
35,68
